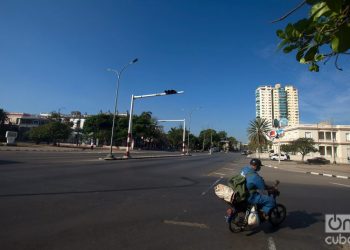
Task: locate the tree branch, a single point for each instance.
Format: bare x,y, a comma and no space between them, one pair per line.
336,63
290,12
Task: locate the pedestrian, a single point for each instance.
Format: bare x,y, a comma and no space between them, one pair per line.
92,145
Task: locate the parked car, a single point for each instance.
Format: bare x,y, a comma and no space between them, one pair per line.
318,160
283,157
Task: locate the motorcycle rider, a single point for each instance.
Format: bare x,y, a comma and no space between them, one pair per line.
256,186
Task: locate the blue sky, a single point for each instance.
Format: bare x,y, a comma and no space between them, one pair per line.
54,55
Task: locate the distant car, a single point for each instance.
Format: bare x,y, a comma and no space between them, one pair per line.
318,160
283,157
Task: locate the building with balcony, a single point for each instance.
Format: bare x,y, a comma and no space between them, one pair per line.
24,120
332,141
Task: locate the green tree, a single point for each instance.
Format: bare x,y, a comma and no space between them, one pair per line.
39,134
232,143
303,146
321,36
51,132
288,148
175,136
257,132
145,129
3,117
206,137
99,127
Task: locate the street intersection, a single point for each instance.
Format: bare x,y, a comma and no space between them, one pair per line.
73,200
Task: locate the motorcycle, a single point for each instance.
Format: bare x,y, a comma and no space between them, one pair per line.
238,215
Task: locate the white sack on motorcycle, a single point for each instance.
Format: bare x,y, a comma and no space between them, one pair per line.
224,192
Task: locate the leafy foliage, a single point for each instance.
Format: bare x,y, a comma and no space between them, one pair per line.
303,146
3,117
175,136
321,36
257,131
50,132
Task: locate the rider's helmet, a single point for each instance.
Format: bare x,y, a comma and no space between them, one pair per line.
257,163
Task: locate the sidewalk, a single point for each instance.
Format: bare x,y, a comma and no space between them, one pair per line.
329,170
118,153
43,148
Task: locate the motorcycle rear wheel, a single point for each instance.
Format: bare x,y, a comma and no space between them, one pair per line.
237,223
277,215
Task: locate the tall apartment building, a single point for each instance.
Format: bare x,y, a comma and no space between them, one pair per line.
277,102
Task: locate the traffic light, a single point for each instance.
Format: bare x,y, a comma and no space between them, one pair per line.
170,92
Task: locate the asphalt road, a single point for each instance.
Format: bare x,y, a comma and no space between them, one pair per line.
75,201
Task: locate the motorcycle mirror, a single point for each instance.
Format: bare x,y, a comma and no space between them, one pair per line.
277,182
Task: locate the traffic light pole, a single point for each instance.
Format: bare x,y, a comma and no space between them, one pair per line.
133,97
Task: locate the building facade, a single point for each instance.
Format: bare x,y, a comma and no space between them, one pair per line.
263,97
24,120
277,102
332,141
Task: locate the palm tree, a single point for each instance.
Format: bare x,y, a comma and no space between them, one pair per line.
3,117
257,132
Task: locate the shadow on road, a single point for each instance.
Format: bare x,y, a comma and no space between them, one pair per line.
4,162
294,220
301,219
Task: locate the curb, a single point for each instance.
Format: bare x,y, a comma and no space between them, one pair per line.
321,174
329,175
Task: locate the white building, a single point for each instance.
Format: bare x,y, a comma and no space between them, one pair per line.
292,105
263,97
332,141
277,102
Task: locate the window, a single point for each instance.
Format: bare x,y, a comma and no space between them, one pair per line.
347,136
328,136
329,150
321,135
308,135
334,136
321,150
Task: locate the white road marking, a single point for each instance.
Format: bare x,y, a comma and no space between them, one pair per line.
314,173
344,185
219,173
187,224
271,244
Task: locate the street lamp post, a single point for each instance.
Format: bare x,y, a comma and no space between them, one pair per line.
110,156
189,129
133,97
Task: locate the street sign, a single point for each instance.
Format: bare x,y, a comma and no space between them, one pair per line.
280,133
272,134
283,122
